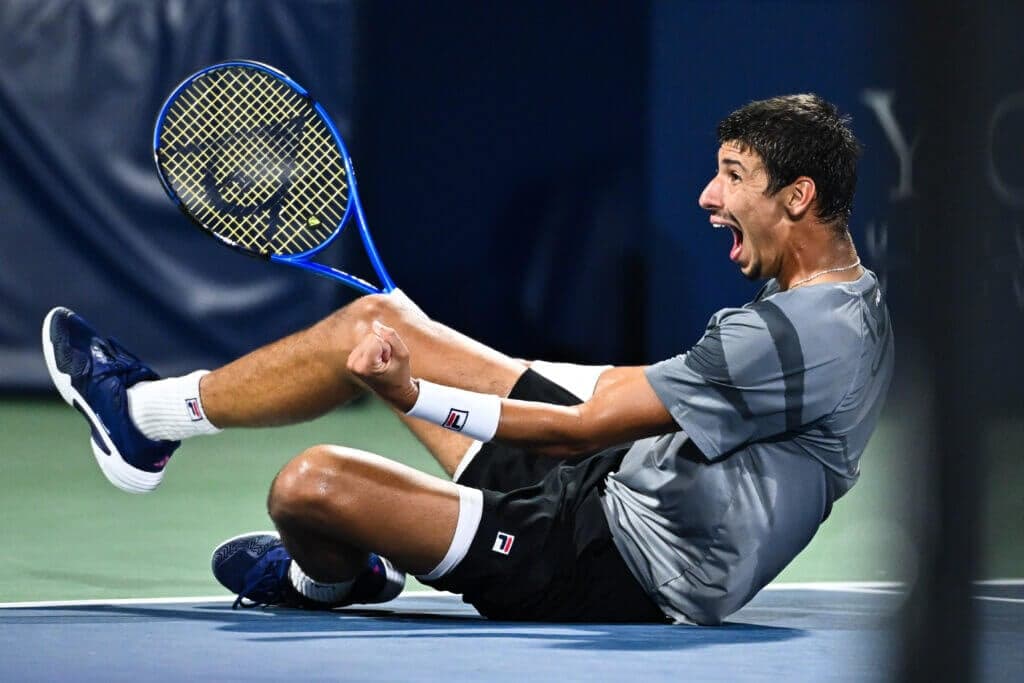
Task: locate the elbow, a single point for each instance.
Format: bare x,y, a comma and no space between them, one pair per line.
579,438
566,450
571,441
581,448
582,435
555,431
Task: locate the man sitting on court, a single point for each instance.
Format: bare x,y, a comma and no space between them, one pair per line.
669,492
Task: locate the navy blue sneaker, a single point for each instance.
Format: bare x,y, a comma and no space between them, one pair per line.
93,374
255,566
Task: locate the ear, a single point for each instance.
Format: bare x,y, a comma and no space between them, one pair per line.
799,197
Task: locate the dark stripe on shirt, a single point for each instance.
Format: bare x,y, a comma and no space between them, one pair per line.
707,359
791,359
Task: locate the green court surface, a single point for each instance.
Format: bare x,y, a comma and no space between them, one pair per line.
68,534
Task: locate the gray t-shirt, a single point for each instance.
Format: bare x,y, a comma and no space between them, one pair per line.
775,403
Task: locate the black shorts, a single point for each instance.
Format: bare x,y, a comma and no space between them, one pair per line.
543,550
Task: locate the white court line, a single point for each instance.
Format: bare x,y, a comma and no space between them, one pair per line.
839,586
892,587
115,601
875,586
1000,582
990,598
835,586
172,601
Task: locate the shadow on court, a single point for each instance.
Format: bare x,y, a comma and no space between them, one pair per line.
271,625
821,635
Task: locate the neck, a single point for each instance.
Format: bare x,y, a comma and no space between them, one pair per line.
835,260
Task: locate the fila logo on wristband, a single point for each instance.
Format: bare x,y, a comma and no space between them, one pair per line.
503,543
477,416
456,420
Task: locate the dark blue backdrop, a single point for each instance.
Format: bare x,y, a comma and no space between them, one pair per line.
530,171
85,222
505,164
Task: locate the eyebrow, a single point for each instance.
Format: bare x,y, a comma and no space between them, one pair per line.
734,162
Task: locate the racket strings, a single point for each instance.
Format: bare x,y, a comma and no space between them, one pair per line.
202,139
253,163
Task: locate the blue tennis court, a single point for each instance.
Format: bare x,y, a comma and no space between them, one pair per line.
85,548
798,632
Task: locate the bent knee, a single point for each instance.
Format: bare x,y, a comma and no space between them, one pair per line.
305,482
393,309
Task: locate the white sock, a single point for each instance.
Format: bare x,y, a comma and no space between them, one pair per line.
169,409
329,593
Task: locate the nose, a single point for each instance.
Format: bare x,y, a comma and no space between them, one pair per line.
711,197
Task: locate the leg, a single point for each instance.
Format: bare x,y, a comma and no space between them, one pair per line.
333,505
140,421
303,375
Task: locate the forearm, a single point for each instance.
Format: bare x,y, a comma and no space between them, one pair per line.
623,408
568,431
547,429
552,430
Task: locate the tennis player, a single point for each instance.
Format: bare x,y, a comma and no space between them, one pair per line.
672,492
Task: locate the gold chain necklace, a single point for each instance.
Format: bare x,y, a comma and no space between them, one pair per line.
824,272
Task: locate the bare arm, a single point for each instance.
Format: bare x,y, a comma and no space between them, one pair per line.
623,408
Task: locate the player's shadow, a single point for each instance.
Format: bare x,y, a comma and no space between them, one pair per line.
291,626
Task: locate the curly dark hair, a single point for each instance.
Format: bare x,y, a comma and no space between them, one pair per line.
799,135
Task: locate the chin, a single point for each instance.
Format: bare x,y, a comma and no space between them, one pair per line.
751,272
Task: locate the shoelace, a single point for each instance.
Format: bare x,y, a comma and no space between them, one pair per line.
124,363
267,577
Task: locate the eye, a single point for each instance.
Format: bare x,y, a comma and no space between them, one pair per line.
734,176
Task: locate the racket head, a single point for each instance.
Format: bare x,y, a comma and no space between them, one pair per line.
252,159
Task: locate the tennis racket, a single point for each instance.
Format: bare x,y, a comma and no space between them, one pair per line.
253,160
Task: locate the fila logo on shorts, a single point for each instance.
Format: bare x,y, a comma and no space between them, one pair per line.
456,419
503,543
192,406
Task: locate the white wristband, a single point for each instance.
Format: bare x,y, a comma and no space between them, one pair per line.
473,414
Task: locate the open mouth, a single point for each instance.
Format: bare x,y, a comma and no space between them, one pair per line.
737,240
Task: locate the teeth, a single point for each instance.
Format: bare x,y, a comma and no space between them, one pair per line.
719,225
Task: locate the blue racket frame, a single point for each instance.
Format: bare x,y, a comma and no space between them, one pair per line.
301,260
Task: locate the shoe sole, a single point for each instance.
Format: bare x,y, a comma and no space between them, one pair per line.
114,467
239,537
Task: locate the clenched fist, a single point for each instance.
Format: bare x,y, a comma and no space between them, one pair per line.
381,360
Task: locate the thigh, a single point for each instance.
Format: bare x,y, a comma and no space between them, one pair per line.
353,499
